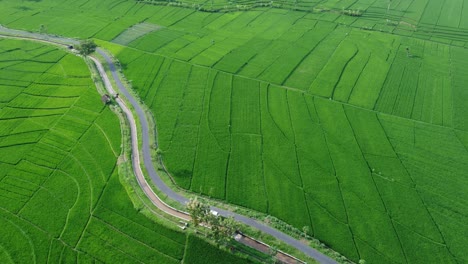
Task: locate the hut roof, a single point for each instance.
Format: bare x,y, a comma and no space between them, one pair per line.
105,99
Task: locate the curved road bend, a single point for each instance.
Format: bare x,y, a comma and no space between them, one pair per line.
135,151
175,196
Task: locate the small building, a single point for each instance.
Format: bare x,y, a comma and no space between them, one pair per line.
215,213
106,99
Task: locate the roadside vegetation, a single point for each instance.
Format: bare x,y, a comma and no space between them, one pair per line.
86,47
347,121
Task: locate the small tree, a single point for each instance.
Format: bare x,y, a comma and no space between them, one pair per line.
222,229
198,211
306,230
42,29
87,47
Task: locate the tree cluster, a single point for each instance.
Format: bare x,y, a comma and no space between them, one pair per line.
87,47
221,228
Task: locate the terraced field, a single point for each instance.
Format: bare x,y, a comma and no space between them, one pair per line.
355,126
58,202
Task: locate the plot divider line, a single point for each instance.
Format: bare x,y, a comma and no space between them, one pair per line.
417,192
375,185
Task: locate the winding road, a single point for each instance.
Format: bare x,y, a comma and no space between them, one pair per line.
146,150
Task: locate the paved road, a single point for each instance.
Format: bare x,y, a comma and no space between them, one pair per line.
181,199
146,152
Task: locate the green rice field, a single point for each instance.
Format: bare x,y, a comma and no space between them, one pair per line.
58,202
355,126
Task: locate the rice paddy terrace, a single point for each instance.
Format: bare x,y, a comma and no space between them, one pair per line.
348,117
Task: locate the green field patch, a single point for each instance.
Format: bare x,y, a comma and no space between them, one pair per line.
412,214
237,58
58,139
170,243
277,186
322,41
280,69
53,212
196,20
244,172
19,247
348,160
156,40
13,154
367,88
459,94
451,13
21,138
45,155
245,116
66,67
450,223
329,76
381,227
8,83
54,90
258,63
219,115
181,153
22,188
134,32
425,246
332,231
30,66
198,46
197,253
217,51
72,127
168,99
171,16
277,108
209,169
21,76
125,243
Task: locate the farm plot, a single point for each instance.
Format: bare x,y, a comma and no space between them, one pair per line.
135,32
59,202
422,89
